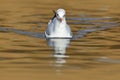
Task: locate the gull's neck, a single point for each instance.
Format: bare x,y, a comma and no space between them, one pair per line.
60,27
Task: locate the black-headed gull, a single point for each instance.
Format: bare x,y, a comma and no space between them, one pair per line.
57,26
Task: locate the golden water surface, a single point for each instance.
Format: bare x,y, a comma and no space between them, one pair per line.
96,56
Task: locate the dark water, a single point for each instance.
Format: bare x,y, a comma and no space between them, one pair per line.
92,53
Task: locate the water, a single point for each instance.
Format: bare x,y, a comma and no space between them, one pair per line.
92,53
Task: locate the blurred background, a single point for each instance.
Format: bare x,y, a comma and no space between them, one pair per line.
92,57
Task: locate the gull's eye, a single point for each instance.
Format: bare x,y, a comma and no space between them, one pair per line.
56,14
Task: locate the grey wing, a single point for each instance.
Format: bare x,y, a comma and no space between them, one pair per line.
50,28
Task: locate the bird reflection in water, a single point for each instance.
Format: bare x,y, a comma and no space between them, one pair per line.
59,45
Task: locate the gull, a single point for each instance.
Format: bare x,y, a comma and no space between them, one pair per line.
57,26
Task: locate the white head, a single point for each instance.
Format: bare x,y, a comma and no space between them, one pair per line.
60,14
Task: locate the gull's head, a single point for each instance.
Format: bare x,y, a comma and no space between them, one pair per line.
60,14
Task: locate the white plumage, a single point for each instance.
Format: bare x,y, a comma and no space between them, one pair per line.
57,26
